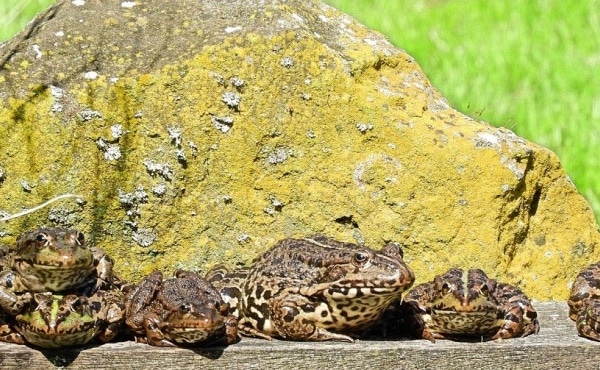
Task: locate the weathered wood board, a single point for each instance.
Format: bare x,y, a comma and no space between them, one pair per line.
557,346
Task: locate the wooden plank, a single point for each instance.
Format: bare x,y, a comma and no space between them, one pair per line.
556,346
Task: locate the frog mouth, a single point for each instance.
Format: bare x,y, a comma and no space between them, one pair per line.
191,323
60,266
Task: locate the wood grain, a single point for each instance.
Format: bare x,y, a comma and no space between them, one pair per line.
556,346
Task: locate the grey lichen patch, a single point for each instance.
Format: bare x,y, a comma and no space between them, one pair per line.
243,237
57,95
175,135
275,205
111,151
237,82
232,99
91,75
287,62
144,237
62,216
160,189
193,147
88,115
180,155
279,155
515,167
117,131
218,78
222,124
163,170
486,140
26,186
364,127
131,201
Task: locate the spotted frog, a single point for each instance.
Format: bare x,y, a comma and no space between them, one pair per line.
54,260
184,310
319,289
71,320
584,302
458,304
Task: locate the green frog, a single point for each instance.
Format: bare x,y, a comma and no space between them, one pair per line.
70,320
460,304
584,302
54,260
319,289
184,310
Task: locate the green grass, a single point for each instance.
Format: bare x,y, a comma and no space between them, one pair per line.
530,65
14,14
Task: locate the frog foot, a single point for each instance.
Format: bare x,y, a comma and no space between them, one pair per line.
7,334
154,335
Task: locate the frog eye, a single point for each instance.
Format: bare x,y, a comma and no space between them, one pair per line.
80,238
42,239
360,258
75,304
485,290
446,288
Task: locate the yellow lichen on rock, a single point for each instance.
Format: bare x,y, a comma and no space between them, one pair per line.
259,136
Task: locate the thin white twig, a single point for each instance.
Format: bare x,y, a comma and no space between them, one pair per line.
31,210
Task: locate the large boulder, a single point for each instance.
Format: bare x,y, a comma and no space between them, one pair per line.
199,132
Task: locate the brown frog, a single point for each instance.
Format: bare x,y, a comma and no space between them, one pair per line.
461,304
54,260
584,302
185,310
320,289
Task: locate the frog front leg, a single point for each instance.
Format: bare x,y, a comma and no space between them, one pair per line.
104,267
9,335
154,335
12,303
518,321
295,317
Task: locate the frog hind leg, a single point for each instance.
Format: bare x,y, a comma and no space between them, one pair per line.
293,316
586,325
512,323
12,303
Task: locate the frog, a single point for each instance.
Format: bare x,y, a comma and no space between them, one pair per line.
58,321
320,289
467,304
584,302
51,260
185,310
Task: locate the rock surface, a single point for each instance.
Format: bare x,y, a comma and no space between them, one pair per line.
200,132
